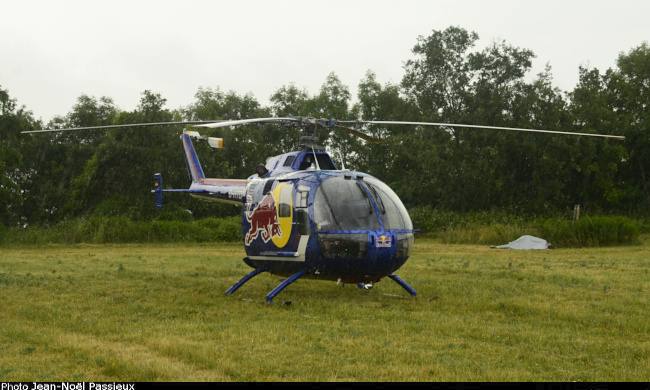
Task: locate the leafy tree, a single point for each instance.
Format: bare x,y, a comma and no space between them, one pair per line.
55,160
290,101
391,160
48,177
533,167
121,168
464,168
438,83
438,79
244,146
213,104
13,120
629,88
595,174
332,101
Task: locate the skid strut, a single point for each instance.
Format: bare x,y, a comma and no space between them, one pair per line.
285,283
245,279
404,285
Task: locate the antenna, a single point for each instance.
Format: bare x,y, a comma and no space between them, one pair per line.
341,158
315,159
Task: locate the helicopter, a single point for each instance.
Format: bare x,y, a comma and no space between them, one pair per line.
304,217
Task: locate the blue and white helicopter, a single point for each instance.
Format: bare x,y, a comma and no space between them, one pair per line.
304,217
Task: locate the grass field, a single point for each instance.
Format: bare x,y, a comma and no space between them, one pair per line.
159,313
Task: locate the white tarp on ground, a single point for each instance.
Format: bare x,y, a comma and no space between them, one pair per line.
526,242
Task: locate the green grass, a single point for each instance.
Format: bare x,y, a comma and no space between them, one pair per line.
142,312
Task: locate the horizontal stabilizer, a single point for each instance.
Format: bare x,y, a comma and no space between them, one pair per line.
158,190
215,143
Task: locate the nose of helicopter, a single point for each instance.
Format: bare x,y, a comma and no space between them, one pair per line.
390,247
368,256
364,231
383,244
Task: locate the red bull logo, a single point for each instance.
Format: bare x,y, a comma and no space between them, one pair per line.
263,220
383,242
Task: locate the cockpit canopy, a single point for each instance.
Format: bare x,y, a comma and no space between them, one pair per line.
358,203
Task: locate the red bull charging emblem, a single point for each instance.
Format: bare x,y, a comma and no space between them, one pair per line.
383,242
263,220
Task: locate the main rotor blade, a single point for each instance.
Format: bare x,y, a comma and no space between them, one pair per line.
116,126
360,135
246,121
223,123
485,127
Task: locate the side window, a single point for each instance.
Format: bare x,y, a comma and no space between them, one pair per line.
267,186
284,211
302,197
302,213
325,162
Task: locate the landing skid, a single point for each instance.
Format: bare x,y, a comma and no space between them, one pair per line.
301,273
276,290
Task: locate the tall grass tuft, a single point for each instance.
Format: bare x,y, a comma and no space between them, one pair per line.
484,228
591,231
500,227
490,234
123,230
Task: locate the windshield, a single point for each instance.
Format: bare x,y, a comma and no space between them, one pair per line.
391,209
341,203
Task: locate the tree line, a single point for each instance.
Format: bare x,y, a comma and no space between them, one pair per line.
48,178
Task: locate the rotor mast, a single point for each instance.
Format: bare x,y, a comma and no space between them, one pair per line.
310,128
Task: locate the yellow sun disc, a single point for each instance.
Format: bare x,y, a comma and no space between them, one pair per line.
284,206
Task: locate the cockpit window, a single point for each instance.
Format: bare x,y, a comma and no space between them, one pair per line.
391,209
343,204
309,162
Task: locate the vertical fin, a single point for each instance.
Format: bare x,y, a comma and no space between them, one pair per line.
158,192
192,160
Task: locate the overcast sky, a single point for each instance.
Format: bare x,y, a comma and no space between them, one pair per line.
53,51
